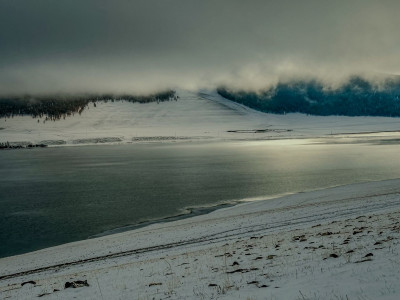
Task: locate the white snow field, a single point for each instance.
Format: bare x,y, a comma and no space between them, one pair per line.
194,116
338,243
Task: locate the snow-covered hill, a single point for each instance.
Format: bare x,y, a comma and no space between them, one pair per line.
201,115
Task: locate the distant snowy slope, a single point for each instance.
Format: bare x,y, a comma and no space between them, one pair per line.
194,116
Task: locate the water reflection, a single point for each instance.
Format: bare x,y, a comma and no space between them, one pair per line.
57,195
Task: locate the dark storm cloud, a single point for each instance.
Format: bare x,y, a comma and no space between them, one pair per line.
126,46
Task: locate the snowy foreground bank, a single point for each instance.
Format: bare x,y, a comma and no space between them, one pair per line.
339,243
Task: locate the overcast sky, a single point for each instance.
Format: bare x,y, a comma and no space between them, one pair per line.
49,46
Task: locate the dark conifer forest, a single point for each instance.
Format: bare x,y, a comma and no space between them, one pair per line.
61,106
356,97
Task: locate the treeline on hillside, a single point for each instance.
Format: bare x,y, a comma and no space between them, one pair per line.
61,106
356,97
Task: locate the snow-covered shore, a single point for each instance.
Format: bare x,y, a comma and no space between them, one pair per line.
338,243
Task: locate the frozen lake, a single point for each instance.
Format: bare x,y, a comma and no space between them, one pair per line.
57,195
